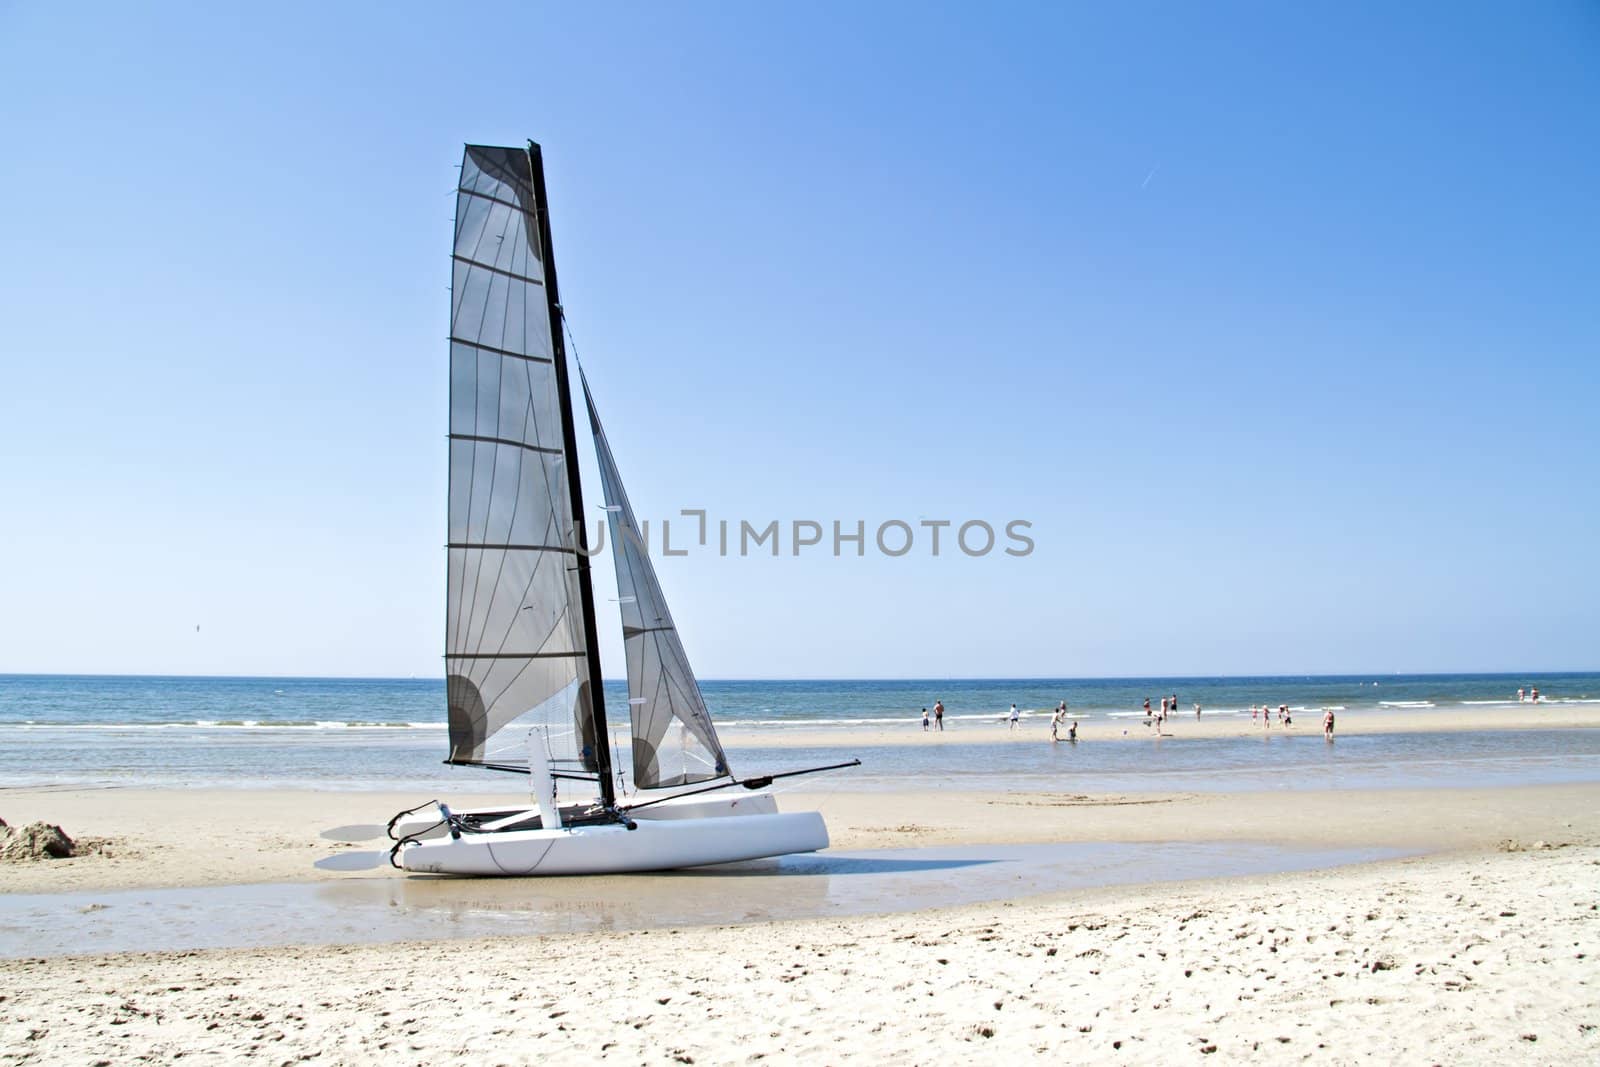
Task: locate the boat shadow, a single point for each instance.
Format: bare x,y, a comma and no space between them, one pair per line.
364,860
796,866
837,865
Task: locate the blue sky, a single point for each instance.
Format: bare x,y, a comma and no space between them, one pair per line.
1280,326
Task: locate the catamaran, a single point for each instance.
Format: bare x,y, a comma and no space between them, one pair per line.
522,663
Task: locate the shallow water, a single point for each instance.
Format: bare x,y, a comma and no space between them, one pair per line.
1267,761
408,761
376,734
393,908
418,703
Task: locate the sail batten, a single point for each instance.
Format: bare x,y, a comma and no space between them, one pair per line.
499,270
513,655
515,643
499,351
674,741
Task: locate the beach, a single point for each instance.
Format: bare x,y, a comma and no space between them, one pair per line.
1459,924
1477,947
1478,953
1048,537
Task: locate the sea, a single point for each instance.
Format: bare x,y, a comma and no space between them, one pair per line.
76,731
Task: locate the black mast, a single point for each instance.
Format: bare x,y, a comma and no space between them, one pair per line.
569,443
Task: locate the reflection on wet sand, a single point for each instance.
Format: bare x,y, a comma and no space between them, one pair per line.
393,908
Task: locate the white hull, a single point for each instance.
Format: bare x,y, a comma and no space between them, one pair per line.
654,845
427,823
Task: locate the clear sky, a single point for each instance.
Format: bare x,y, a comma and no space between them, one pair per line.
1279,322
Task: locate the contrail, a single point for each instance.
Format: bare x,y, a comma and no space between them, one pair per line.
1152,174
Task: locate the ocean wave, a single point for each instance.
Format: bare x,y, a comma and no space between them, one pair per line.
914,720
1406,704
804,723
225,724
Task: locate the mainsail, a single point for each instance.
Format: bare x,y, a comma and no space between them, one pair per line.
674,742
516,635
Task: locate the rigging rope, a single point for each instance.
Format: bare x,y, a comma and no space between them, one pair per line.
572,342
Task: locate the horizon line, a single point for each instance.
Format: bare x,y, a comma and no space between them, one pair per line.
839,678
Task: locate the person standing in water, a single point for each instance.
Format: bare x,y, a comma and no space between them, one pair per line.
938,715
1197,713
1055,725
1072,731
1534,694
1521,696
1015,715
1327,724
924,720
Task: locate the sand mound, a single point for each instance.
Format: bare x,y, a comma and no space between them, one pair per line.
36,841
1511,844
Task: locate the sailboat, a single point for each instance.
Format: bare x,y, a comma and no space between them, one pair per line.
523,675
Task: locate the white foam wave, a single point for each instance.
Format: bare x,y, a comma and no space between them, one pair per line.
213,724
915,720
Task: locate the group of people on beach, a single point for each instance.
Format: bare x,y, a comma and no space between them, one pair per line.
1528,697
1057,719
1169,706
1286,718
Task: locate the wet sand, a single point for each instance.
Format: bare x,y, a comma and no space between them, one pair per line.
832,884
1479,958
219,837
